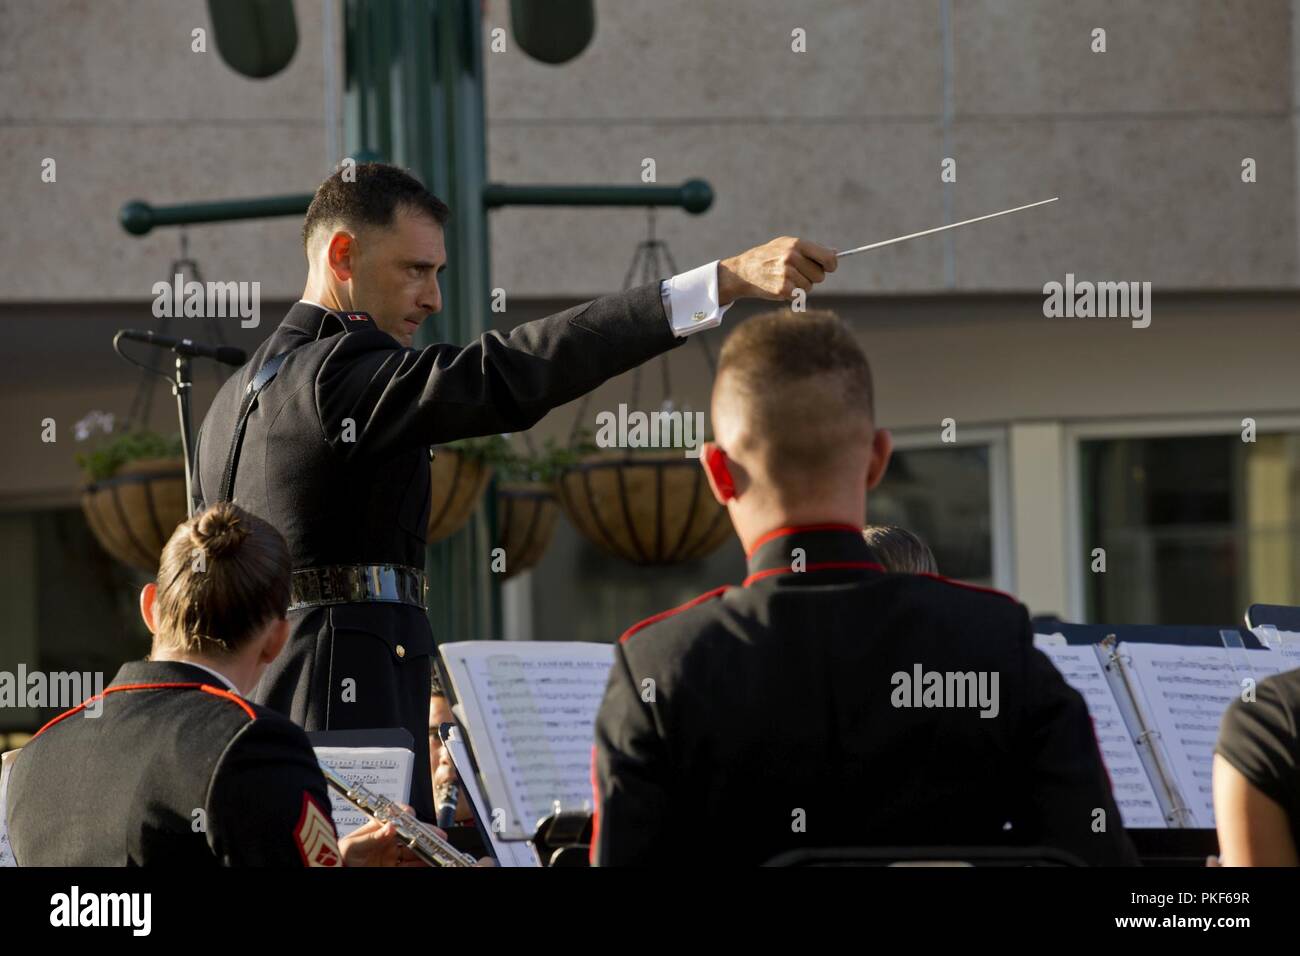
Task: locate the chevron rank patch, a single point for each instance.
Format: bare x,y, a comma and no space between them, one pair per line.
317,841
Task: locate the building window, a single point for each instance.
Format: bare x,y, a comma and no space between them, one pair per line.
1194,528
943,495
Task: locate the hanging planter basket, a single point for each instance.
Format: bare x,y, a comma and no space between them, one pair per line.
650,508
133,513
457,481
526,516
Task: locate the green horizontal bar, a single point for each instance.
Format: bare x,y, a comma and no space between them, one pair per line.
695,196
138,217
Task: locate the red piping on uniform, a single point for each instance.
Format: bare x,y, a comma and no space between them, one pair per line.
782,532
670,612
595,813
969,587
206,688
230,696
819,566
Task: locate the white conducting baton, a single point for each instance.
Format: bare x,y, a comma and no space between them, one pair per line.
952,225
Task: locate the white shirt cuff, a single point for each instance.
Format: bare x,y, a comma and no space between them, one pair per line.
691,300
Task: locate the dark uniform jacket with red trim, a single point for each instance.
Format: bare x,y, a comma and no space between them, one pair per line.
175,771
768,718
336,455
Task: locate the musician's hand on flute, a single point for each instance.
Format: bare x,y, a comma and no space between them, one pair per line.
774,270
377,844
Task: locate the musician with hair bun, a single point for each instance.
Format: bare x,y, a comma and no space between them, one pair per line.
171,765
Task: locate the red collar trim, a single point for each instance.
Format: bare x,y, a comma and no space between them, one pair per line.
969,587
794,529
206,688
819,566
641,625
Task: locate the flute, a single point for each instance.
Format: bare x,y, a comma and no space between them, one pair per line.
419,837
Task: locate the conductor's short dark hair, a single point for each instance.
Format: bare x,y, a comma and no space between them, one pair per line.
368,194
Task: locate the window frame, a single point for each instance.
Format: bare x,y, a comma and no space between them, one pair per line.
1155,426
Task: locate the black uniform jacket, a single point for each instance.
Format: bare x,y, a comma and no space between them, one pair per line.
791,713
175,771
336,455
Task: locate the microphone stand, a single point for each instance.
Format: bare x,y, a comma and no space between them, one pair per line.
182,385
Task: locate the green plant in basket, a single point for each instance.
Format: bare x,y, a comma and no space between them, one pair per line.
122,445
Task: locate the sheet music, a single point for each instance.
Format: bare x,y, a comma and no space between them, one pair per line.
506,853
529,708
1134,795
383,770
6,851
1286,643
1185,691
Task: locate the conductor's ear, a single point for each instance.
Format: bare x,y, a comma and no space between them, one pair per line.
340,255
882,447
717,469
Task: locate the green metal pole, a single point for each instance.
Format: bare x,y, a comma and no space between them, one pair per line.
694,195
415,96
139,217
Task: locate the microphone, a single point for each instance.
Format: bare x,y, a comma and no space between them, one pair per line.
225,354
447,806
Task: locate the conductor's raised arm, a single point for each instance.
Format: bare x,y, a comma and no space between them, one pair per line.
392,397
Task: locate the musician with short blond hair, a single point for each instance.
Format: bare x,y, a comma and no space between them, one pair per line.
903,710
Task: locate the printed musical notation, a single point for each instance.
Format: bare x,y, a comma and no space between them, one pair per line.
1130,784
386,771
536,702
1185,692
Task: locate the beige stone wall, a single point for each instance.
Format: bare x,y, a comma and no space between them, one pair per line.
842,143
111,90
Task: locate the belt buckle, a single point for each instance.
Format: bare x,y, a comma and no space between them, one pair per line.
327,591
309,586
356,584
381,583
352,583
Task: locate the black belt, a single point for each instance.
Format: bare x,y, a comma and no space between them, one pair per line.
356,583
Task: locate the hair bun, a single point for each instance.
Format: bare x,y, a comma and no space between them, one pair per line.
219,531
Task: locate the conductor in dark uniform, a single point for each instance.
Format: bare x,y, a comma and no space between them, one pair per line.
173,767
334,450
825,702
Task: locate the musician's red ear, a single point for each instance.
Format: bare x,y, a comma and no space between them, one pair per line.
716,466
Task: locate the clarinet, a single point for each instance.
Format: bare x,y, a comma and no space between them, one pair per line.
423,841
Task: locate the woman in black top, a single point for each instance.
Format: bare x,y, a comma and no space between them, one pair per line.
1257,776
